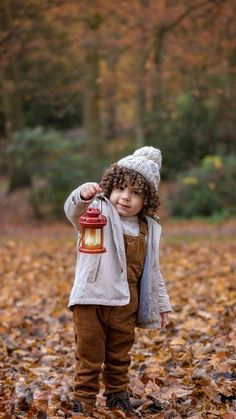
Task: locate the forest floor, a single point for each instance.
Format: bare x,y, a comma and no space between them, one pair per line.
186,371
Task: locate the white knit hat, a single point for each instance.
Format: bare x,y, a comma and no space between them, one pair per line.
146,161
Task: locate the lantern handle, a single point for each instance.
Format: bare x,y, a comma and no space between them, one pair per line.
100,198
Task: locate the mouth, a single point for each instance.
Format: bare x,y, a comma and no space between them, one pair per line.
123,206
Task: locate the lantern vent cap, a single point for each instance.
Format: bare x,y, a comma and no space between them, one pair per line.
93,216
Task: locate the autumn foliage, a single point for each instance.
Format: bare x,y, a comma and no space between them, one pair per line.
186,371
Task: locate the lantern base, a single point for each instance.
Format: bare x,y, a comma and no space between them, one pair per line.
92,251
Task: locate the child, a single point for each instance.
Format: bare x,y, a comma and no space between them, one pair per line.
116,291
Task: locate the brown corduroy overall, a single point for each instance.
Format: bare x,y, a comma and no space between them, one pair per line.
105,334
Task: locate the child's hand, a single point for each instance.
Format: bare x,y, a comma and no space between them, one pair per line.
89,190
164,319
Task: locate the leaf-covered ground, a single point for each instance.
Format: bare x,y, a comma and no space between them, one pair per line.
188,371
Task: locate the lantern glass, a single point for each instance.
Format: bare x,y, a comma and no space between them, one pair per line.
92,236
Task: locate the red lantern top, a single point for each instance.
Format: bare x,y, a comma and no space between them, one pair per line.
93,218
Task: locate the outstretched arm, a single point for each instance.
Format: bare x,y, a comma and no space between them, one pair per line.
79,200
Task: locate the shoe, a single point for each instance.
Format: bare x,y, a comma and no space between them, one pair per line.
76,406
120,401
80,407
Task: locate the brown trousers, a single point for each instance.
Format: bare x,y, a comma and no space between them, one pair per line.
104,335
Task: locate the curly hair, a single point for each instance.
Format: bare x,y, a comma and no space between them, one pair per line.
116,176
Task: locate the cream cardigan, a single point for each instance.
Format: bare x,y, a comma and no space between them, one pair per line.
101,279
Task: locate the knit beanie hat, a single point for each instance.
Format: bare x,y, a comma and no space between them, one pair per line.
146,161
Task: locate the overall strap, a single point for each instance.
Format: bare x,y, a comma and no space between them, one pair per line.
143,227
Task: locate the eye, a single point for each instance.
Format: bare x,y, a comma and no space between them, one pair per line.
120,188
137,193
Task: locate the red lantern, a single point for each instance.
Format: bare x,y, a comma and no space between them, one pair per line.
92,237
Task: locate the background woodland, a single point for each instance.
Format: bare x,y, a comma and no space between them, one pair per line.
83,83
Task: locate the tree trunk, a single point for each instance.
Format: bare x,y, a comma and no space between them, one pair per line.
158,54
141,72
92,121
92,116
111,126
141,111
14,119
10,78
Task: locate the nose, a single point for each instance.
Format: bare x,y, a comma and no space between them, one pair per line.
125,194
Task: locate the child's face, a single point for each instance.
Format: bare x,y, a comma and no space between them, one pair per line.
127,200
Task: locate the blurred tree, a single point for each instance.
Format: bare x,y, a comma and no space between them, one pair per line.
164,19
110,88
54,166
39,73
92,21
202,86
142,57
144,71
11,97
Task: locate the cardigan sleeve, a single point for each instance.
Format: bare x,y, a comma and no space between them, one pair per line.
75,206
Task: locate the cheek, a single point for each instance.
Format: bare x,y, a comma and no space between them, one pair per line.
140,203
113,197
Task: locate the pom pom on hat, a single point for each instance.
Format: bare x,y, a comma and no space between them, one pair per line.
146,161
150,153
